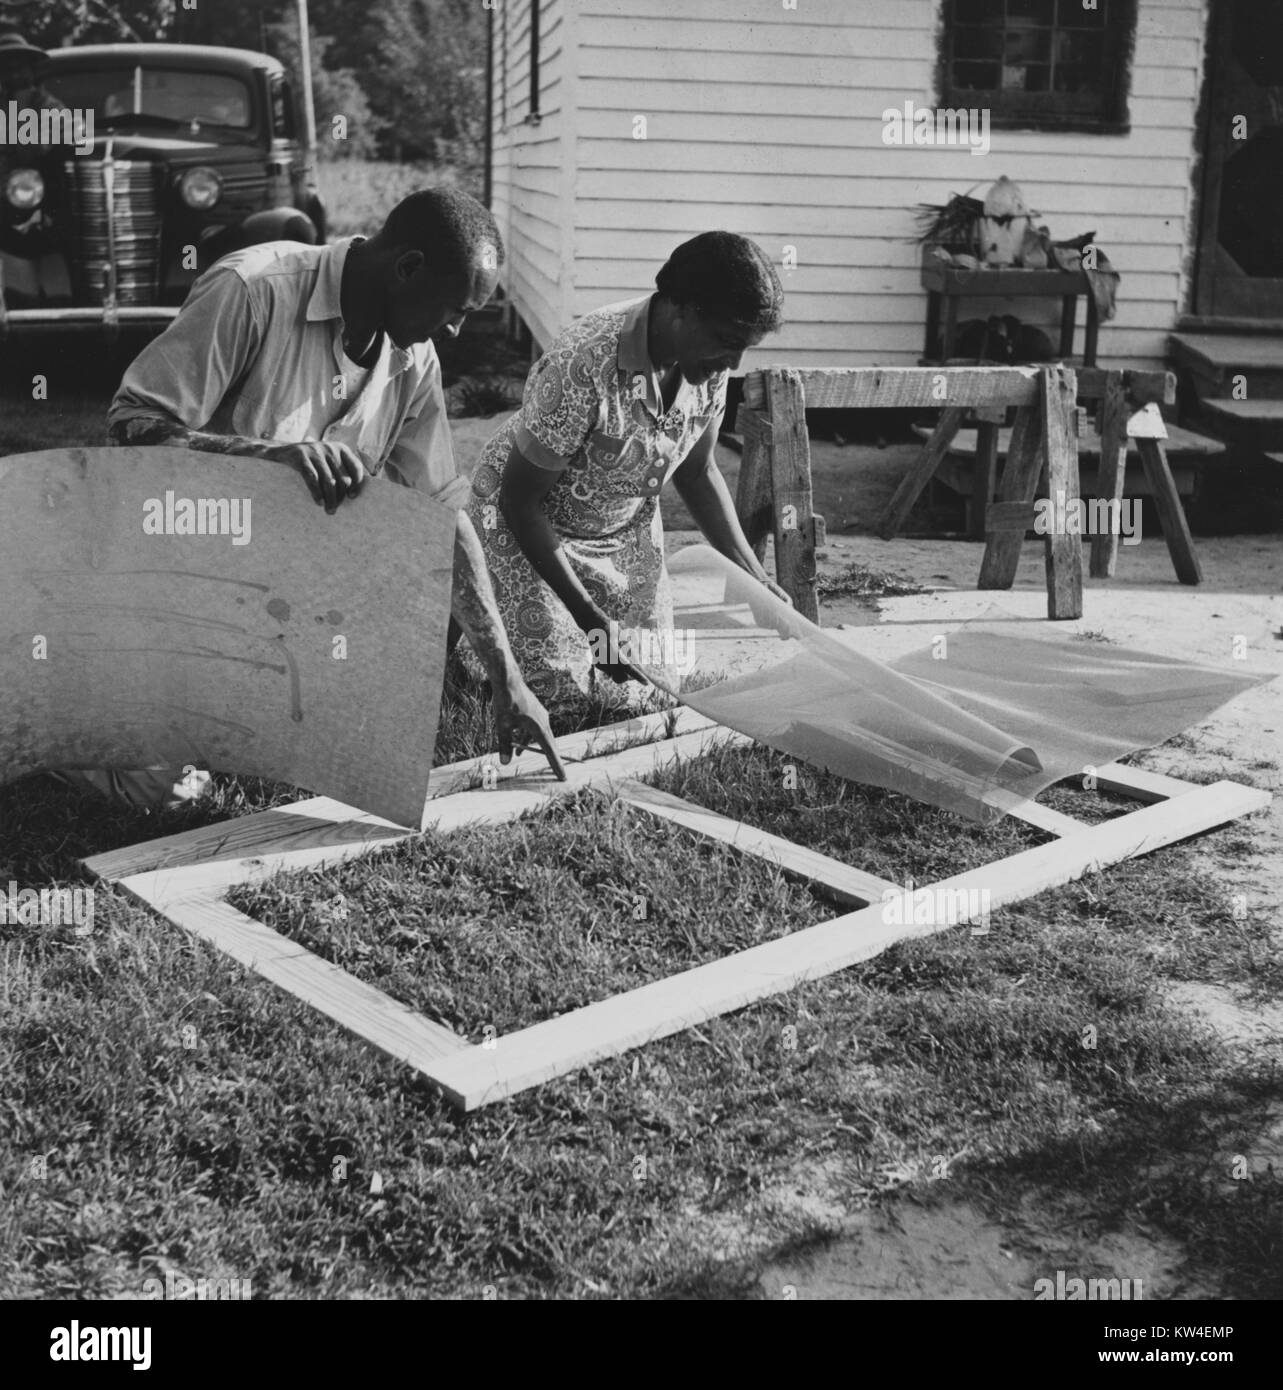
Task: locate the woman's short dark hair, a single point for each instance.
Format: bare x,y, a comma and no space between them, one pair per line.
726,277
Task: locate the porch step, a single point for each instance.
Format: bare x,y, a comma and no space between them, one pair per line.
1258,423
1213,360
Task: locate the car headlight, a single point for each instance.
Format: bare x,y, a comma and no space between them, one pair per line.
25,190
200,188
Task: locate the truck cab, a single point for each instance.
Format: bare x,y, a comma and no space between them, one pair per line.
148,163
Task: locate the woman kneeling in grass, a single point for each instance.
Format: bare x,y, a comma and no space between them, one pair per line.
566,495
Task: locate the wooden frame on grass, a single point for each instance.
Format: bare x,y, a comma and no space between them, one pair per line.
185,878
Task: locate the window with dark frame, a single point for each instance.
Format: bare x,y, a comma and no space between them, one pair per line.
1042,64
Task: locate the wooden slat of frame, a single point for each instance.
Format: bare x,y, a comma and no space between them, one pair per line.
256,847
853,388
838,880
1142,785
324,822
1044,818
215,874
573,748
560,1045
732,634
318,822
368,1012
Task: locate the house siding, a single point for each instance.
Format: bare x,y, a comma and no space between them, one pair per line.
529,196
768,122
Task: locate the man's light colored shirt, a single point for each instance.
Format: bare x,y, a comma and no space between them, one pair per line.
257,350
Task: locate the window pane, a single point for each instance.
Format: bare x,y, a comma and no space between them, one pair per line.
978,12
1031,11
278,106
977,77
977,43
1073,16
180,96
1072,78
1084,49
1028,46
1033,78
1044,62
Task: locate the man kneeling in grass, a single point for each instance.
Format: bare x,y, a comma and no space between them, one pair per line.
246,368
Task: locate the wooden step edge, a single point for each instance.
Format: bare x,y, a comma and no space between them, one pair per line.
1194,323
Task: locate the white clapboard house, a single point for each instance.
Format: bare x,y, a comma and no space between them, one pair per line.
620,127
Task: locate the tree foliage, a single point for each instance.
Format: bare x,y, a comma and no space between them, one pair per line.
408,75
54,23
336,93
432,66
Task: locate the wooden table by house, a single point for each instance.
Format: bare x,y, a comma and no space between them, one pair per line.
946,285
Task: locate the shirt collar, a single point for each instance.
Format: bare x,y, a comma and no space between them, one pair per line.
324,303
634,354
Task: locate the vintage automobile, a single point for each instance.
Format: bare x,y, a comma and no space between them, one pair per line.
195,151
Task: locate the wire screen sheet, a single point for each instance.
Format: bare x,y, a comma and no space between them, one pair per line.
994,722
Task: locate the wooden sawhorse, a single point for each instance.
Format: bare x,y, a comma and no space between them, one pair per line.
1127,408
774,492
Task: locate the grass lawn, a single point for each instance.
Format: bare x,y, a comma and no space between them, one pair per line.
164,1110
192,1118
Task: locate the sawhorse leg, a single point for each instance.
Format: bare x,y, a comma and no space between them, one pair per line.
1007,521
794,518
1064,548
1180,544
911,485
1111,474
985,479
1017,491
753,491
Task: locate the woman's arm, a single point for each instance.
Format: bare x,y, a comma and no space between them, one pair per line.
519,718
700,485
521,498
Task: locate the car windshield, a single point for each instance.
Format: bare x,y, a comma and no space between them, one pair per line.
172,95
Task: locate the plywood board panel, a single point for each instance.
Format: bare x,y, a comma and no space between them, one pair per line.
275,641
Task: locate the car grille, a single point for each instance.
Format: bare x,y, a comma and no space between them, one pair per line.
245,185
135,229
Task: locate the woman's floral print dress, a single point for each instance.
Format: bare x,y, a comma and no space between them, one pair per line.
592,413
